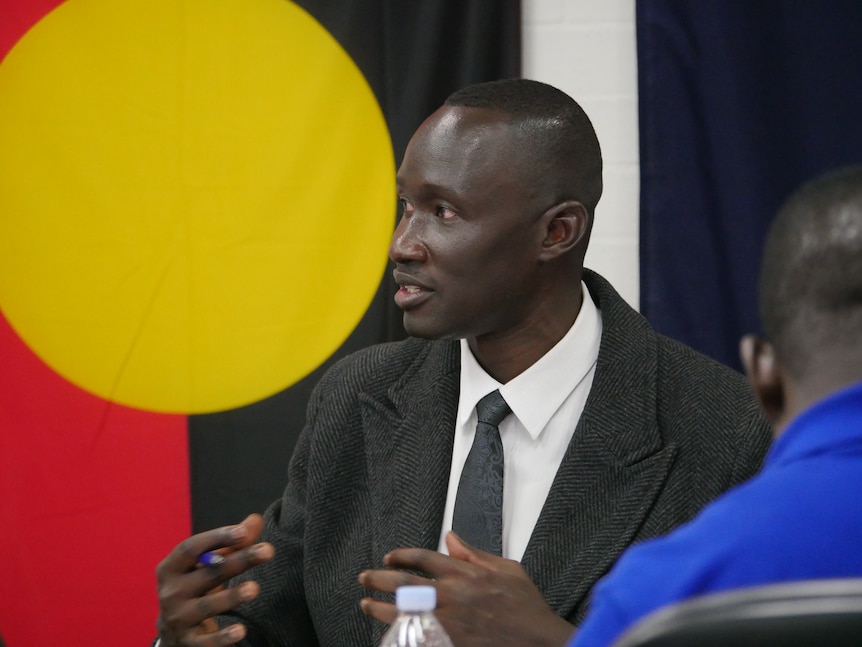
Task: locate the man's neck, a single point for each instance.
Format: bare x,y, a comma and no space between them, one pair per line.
505,356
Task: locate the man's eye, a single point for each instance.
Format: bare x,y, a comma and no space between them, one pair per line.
404,207
445,212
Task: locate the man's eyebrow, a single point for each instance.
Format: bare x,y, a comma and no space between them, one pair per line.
424,188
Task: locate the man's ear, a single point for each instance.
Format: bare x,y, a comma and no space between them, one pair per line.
764,375
567,225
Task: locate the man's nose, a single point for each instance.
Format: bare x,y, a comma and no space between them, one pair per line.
406,242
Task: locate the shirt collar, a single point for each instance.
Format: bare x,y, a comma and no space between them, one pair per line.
830,423
536,394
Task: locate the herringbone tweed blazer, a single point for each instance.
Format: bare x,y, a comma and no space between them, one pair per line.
664,431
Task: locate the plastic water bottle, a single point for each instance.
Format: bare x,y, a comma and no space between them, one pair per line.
416,625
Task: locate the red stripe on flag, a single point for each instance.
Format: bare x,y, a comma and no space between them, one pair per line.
93,496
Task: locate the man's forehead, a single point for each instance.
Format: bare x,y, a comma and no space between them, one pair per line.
459,132
458,146
466,119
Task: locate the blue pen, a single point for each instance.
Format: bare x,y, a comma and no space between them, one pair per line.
210,558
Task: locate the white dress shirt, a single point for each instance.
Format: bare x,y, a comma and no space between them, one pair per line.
546,401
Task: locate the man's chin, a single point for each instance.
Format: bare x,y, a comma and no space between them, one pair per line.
418,331
422,328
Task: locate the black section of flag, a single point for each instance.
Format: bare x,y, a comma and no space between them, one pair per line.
413,54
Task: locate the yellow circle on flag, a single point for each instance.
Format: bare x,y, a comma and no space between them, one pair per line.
195,198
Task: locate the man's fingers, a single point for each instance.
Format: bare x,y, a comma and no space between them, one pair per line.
216,637
202,609
194,618
461,550
212,605
206,578
382,611
184,557
458,548
430,562
177,591
388,581
191,594
253,525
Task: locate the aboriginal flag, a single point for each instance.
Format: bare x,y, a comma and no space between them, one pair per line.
196,198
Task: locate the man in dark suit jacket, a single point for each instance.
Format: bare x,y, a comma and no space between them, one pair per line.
497,191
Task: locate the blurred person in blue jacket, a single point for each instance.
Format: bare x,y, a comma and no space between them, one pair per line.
801,517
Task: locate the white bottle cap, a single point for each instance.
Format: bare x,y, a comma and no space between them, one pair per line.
415,598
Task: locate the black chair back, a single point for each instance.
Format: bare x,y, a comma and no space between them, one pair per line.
816,613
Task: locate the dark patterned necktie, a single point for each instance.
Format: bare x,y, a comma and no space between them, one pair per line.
478,515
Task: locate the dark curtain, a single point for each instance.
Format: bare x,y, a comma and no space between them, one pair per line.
740,102
413,54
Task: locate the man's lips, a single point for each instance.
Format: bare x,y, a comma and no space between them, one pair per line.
411,292
411,296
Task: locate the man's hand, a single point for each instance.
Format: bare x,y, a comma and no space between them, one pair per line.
481,599
190,595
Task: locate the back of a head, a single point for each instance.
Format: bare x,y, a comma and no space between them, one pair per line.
552,130
811,278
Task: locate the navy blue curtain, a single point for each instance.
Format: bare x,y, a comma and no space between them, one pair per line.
740,102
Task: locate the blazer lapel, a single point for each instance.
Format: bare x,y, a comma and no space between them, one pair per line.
613,469
409,436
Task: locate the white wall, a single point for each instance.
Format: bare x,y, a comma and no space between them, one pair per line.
587,49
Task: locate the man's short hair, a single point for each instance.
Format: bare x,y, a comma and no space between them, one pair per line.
552,129
811,277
